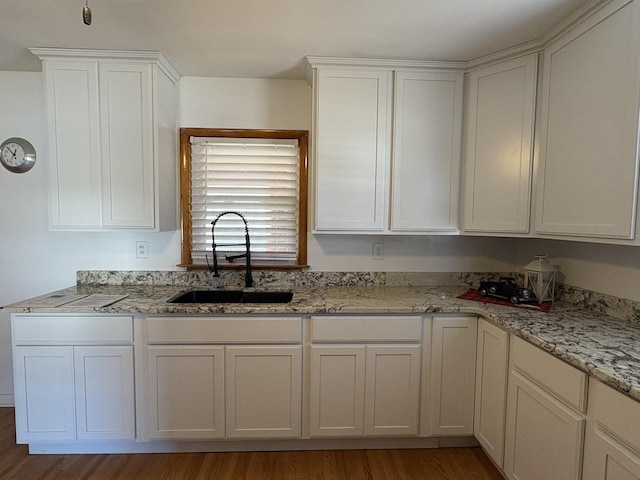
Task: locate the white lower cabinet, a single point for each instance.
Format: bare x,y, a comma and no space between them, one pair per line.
243,377
104,392
227,390
69,393
364,390
365,387
612,440
263,391
452,377
44,393
73,377
491,389
337,378
544,426
392,389
186,392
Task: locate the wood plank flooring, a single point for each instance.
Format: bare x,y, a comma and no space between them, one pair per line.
428,464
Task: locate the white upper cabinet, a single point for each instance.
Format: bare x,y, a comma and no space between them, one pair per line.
112,139
361,109
499,147
589,127
126,131
351,107
426,151
72,104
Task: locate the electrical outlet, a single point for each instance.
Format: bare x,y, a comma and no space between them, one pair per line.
142,249
378,251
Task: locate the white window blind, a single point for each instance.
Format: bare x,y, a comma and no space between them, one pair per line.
255,177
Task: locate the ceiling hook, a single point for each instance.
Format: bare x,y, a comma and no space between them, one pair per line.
86,13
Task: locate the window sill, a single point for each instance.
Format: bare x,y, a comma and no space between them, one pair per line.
241,266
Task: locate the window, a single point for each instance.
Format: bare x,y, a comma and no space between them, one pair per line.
261,174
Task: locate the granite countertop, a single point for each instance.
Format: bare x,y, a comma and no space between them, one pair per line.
606,348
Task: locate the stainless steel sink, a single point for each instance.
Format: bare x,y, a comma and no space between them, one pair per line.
232,296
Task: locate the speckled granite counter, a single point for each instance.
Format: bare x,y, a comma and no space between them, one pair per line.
607,348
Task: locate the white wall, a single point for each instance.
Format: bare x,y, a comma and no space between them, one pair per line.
610,269
244,103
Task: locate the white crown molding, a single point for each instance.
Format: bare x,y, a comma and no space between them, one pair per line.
150,56
576,17
533,46
388,63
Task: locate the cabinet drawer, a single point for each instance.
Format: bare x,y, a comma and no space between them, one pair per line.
562,380
614,410
218,330
366,329
72,330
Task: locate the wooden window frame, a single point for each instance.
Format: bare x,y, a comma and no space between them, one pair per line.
185,190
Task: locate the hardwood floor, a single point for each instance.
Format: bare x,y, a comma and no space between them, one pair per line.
429,464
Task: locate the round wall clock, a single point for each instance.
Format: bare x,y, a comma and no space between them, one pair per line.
17,155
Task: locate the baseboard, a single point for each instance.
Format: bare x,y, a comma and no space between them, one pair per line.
6,400
454,442
168,446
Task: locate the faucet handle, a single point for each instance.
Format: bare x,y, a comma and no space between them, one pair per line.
213,269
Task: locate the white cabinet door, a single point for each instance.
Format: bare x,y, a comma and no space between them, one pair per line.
453,365
392,390
44,393
186,392
351,148
112,139
74,143
491,389
68,393
499,146
104,392
588,173
543,437
126,125
263,391
337,379
608,459
426,151
612,440
370,390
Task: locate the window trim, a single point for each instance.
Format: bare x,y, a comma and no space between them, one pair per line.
185,190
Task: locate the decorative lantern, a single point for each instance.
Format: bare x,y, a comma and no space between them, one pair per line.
540,276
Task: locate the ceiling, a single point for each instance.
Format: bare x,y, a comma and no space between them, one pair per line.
269,39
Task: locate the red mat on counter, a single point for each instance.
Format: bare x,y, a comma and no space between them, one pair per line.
473,294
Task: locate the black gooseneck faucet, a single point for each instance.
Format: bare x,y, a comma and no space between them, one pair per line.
248,279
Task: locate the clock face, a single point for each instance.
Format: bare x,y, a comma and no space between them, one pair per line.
13,154
17,155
